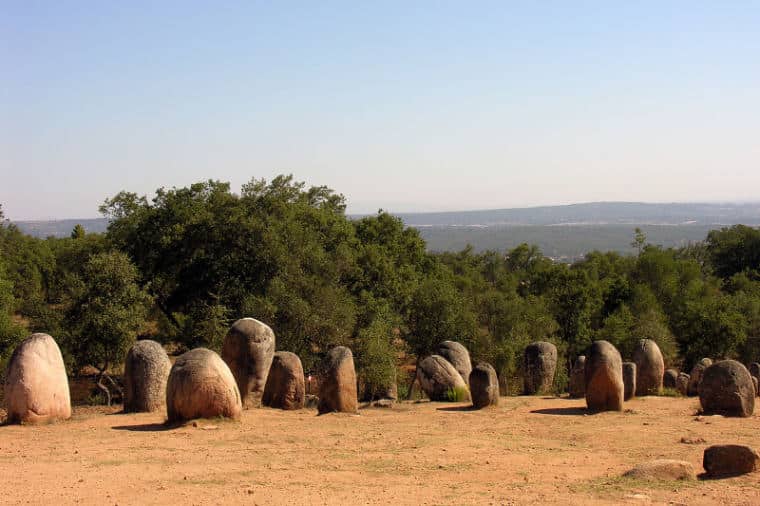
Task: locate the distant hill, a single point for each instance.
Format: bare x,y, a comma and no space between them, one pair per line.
596,213
564,233
61,228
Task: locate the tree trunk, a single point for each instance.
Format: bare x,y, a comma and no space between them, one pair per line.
104,388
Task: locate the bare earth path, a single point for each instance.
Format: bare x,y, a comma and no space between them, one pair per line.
528,450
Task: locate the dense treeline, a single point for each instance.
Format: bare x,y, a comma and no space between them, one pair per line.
182,266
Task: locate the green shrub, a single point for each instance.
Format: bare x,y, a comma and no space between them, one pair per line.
457,394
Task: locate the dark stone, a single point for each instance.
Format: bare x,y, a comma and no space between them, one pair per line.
540,361
285,387
727,389
730,460
484,386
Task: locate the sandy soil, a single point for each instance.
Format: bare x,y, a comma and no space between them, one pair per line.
528,450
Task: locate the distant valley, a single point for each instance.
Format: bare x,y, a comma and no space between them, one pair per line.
564,233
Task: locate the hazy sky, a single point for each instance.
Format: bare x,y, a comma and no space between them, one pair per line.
407,106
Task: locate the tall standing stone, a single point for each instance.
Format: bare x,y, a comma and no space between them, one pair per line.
337,384
540,363
484,386
146,370
248,350
285,387
604,378
682,383
36,385
650,367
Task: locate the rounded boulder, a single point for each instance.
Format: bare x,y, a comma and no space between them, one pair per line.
682,383
721,461
201,385
457,355
695,377
604,378
577,382
484,386
337,383
248,349
727,389
146,370
437,377
670,378
629,380
285,387
540,363
650,367
36,385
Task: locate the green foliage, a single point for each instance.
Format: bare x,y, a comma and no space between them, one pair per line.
457,394
78,232
376,357
106,314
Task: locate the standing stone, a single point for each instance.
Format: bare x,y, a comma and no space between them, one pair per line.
730,460
248,350
540,361
629,380
754,369
670,378
36,385
484,386
437,377
285,387
682,383
696,376
337,383
756,385
650,367
577,380
604,378
458,355
727,389
146,370
201,385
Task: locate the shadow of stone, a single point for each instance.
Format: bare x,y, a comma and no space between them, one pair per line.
563,411
147,427
458,408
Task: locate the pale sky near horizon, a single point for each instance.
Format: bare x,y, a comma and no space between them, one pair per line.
406,106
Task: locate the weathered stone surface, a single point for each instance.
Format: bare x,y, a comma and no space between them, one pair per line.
437,377
670,379
146,370
458,356
577,387
540,363
484,386
248,350
629,380
756,385
730,460
726,389
754,371
604,378
337,382
650,367
682,383
663,470
201,385
285,387
36,385
695,377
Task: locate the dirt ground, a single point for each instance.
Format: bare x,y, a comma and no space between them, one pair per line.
528,450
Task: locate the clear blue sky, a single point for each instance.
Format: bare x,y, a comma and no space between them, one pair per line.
406,106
